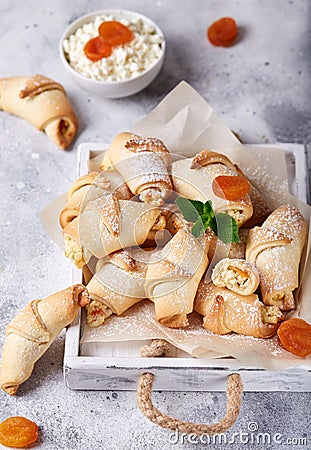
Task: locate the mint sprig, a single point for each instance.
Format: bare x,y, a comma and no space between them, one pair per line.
202,216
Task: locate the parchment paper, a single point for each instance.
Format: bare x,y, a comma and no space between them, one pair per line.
187,125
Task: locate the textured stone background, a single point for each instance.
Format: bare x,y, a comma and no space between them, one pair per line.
260,88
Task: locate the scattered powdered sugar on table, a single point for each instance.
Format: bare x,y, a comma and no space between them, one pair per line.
20,185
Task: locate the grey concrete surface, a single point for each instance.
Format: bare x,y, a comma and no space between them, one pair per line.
260,87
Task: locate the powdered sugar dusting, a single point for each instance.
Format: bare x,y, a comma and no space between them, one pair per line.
110,215
144,167
278,265
148,144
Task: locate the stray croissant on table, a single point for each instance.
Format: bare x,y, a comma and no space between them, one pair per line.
43,103
33,330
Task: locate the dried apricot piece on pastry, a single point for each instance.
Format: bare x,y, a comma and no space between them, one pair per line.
193,179
230,187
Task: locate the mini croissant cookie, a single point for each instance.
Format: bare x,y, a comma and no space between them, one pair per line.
75,197
33,330
107,225
43,103
225,311
193,179
118,284
172,280
90,187
143,164
276,249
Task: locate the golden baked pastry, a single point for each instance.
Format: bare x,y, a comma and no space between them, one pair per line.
275,248
172,281
33,330
225,311
118,284
42,102
143,164
193,178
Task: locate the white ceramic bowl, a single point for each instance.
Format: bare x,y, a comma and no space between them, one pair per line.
112,89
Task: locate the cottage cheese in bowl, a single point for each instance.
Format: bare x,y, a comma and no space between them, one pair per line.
129,68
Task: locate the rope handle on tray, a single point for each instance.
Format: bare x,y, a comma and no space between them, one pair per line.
144,393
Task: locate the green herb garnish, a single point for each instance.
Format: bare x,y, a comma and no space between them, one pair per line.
202,216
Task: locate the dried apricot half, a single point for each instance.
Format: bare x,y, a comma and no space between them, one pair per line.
18,432
115,33
223,32
230,187
96,49
295,336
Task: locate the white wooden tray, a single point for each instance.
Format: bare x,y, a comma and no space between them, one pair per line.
118,365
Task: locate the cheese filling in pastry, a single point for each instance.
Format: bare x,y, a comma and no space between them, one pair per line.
73,248
74,252
152,196
238,275
97,313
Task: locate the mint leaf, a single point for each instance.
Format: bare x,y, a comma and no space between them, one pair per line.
213,225
199,206
198,228
226,228
191,209
203,216
208,208
206,219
